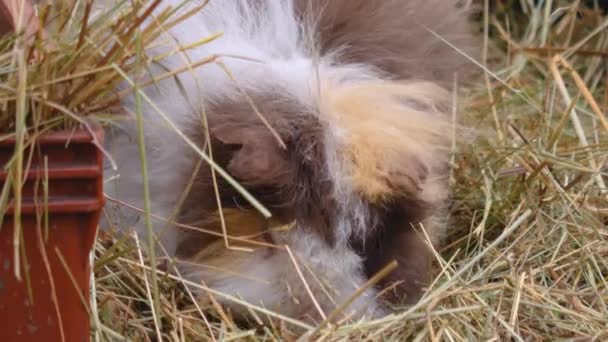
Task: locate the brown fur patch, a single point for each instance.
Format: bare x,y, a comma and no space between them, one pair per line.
395,239
393,35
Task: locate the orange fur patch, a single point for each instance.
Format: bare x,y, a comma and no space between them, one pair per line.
390,135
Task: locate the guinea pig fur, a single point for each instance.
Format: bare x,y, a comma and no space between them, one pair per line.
357,96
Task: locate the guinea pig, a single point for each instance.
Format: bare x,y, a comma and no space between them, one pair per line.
333,114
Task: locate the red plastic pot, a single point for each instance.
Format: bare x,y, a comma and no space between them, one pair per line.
75,198
58,225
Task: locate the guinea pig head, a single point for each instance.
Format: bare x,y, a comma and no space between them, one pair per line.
337,166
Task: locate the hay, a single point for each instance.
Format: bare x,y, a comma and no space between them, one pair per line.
527,257
66,76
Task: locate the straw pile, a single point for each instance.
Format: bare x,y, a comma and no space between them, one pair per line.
56,78
528,252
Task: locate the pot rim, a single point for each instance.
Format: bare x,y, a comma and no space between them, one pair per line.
80,134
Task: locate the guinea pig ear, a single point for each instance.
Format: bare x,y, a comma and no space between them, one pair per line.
259,160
